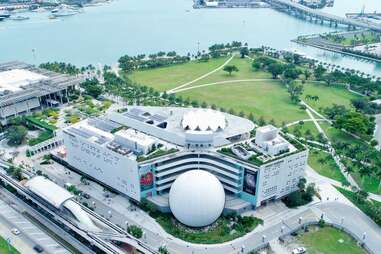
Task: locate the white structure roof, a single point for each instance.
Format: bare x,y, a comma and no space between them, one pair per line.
136,136
59,198
197,198
14,80
48,190
83,218
203,120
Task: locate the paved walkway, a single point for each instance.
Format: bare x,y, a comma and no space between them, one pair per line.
173,90
233,81
331,148
120,211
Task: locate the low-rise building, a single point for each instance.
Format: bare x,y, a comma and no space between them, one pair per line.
24,88
156,145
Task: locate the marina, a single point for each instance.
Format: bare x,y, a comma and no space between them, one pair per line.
112,31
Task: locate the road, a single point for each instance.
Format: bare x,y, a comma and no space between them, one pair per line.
30,234
119,211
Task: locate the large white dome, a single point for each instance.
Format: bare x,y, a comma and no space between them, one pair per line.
197,198
203,120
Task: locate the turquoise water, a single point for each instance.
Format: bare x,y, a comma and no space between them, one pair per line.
103,33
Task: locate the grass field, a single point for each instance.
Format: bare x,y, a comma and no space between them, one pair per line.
370,184
329,240
328,168
4,247
267,99
166,78
307,126
338,135
245,72
328,95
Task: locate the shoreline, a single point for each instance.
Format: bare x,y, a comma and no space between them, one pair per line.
336,51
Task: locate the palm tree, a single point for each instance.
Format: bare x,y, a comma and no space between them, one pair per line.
364,171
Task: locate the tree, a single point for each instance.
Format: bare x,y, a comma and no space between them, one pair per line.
276,69
244,51
92,87
356,123
16,134
319,72
126,63
291,72
230,68
295,90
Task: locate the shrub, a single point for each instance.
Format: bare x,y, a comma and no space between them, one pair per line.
135,231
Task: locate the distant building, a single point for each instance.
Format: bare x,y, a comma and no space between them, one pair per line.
141,151
24,88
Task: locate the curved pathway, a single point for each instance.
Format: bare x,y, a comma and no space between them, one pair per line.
173,90
223,82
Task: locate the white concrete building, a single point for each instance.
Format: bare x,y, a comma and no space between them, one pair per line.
158,145
24,88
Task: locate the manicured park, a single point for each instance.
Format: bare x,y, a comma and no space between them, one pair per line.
166,78
323,163
328,240
246,90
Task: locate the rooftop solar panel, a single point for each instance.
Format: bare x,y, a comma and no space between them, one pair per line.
136,117
81,133
158,118
136,111
103,124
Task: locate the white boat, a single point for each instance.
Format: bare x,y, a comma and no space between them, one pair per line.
19,18
64,13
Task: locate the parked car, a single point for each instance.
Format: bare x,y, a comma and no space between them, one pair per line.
300,250
15,231
38,248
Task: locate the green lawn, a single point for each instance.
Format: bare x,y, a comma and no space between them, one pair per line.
329,240
169,77
268,99
245,72
369,184
4,247
328,95
338,135
327,167
305,127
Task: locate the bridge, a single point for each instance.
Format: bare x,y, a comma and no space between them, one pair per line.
317,15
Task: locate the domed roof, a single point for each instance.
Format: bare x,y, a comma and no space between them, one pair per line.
203,120
197,198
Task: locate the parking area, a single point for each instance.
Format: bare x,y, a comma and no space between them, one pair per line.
29,233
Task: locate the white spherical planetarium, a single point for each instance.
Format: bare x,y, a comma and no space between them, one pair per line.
196,198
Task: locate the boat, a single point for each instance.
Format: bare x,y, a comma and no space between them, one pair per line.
19,18
4,14
1,19
64,10
64,13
